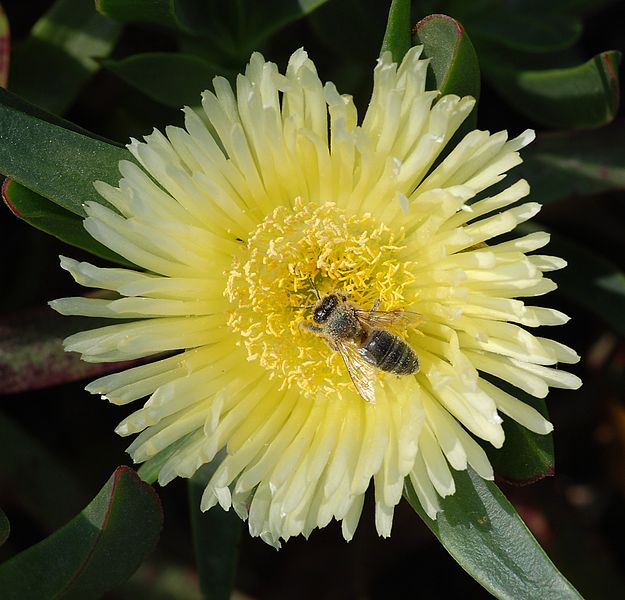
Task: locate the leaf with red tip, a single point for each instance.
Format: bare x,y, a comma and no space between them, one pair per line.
454,68
96,551
581,97
525,457
454,65
32,354
53,158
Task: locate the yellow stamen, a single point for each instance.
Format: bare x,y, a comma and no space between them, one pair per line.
270,287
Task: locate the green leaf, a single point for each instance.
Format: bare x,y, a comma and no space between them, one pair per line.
156,12
484,534
19,104
525,456
580,97
38,482
397,34
58,163
216,537
5,527
51,218
575,163
96,551
454,64
454,68
210,23
236,28
539,31
172,79
591,280
51,66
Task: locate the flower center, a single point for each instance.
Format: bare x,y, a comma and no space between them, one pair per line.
291,256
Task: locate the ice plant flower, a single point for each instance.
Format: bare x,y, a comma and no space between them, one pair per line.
278,192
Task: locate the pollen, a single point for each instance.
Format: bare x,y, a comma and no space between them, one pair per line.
293,255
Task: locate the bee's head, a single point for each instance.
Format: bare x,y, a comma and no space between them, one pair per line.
326,305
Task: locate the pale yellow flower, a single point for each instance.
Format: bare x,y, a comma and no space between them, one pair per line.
231,221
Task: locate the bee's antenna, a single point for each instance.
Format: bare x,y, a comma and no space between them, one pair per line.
314,287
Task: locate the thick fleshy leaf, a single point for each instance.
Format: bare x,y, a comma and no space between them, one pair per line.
96,551
50,67
525,456
484,534
32,355
21,105
204,26
397,34
538,31
454,65
5,527
575,163
580,97
216,535
51,218
454,68
163,13
56,162
187,76
36,481
5,48
235,28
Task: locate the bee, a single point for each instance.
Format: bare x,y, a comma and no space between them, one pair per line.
363,340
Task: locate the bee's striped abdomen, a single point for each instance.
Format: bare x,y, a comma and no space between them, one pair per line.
389,353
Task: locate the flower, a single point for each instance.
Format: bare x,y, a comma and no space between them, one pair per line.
273,195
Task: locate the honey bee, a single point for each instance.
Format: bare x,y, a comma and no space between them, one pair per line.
362,338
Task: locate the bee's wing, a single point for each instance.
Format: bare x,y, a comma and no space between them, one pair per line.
377,318
361,372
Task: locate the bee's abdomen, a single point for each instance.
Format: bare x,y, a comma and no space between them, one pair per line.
389,353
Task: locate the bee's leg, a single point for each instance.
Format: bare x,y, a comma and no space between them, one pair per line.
375,306
312,328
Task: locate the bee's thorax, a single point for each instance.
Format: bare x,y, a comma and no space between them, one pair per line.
343,324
